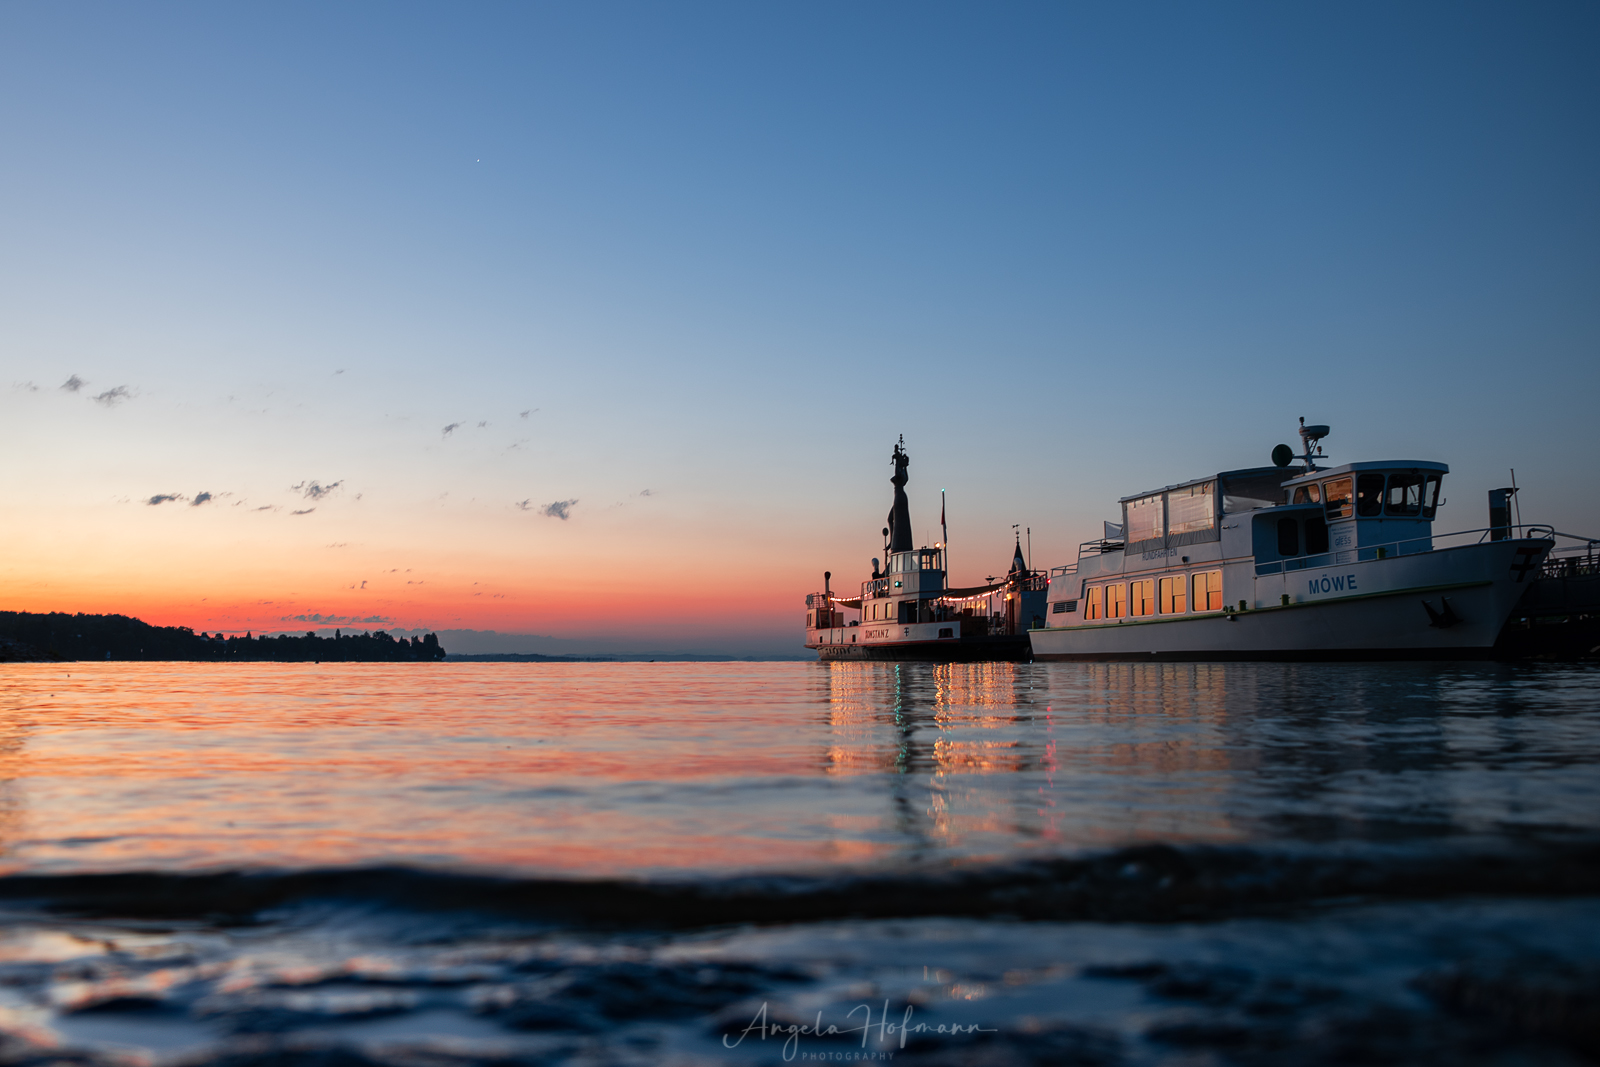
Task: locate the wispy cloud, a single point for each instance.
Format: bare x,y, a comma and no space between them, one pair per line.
448,430
560,509
73,384
314,490
112,397
27,387
201,498
484,425
306,511
647,492
334,619
165,498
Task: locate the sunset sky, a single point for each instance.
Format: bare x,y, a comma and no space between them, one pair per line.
599,321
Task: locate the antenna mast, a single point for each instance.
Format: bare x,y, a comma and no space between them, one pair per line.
1309,438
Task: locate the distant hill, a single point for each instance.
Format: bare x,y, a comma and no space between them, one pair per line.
59,636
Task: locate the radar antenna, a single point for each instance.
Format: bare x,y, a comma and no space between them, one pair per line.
1309,438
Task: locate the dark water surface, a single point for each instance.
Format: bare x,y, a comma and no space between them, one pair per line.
645,863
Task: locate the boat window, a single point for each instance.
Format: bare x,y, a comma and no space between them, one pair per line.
1094,606
1369,494
1142,598
1308,494
1249,492
1336,498
1190,509
1288,537
1316,535
1430,496
1208,591
1173,600
1145,517
1405,495
1116,603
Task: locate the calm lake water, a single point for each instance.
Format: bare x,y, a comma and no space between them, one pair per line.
598,863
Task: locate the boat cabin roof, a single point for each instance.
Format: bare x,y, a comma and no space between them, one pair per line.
1243,472
1372,465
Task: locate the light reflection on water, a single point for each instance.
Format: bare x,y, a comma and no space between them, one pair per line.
639,768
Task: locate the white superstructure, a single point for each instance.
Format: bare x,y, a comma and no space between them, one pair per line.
1290,563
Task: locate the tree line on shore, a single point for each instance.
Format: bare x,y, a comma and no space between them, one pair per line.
59,636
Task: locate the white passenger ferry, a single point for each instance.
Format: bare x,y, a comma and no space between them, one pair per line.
907,609
1285,562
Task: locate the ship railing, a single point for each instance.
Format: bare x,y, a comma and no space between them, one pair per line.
1098,547
874,587
1585,566
1410,546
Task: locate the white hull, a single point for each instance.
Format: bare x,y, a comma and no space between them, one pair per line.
1368,609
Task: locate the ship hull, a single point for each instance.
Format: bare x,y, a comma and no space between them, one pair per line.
1445,604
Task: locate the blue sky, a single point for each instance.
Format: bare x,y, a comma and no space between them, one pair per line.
726,254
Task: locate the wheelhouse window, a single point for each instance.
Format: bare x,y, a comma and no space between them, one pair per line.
1146,518
1192,508
1208,591
1405,495
1173,598
1369,494
1116,602
1288,537
1094,603
1142,598
1336,498
1308,494
1430,496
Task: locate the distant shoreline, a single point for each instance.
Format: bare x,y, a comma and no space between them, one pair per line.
58,637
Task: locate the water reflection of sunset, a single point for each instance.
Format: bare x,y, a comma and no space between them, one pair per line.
632,768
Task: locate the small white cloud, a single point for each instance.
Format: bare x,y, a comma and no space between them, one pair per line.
561,509
73,384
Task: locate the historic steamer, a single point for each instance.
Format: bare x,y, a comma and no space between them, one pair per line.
907,610
1283,562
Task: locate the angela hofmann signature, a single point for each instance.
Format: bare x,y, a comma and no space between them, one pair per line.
886,1030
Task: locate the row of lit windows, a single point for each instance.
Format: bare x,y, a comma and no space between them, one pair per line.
1172,595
